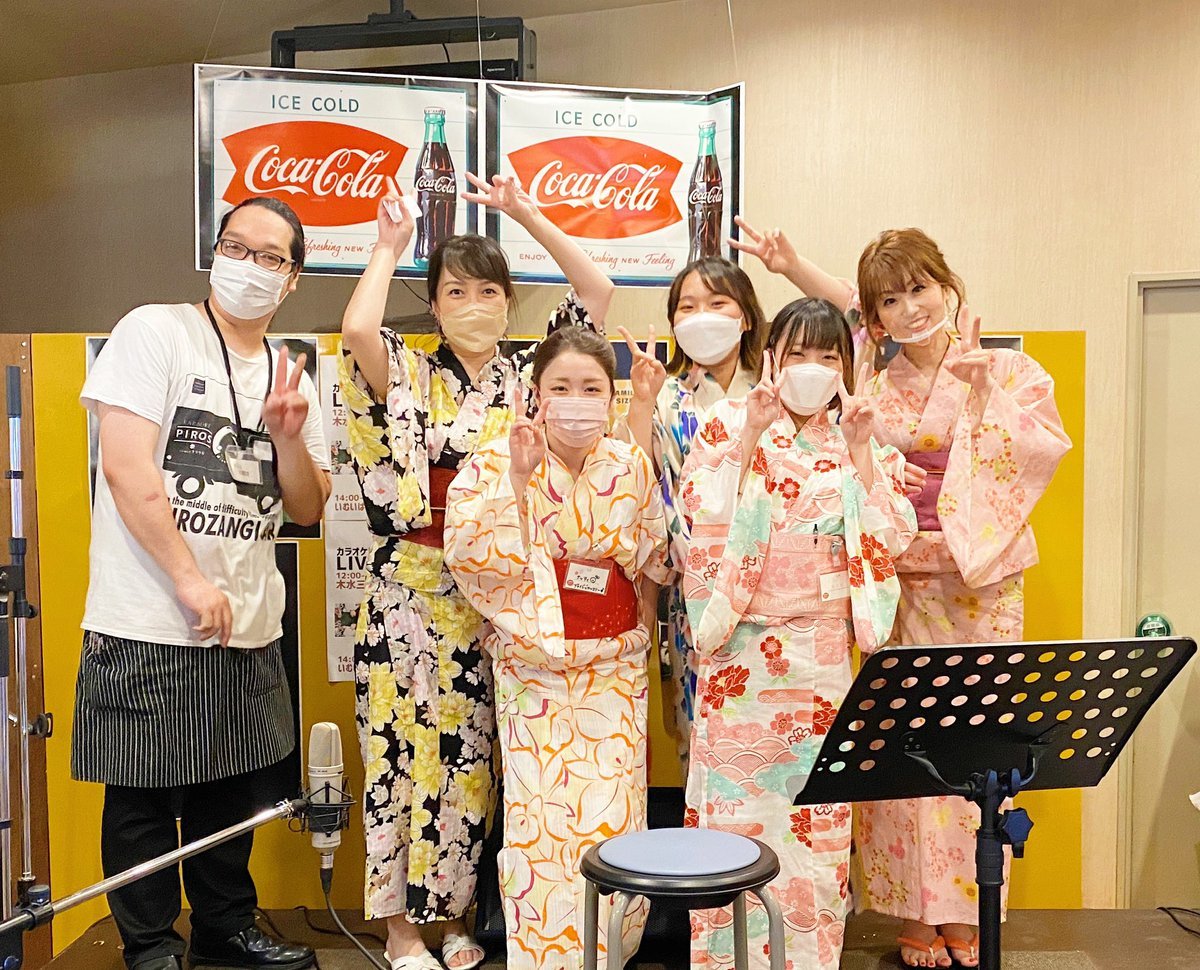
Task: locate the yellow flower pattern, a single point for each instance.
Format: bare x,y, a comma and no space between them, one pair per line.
423,691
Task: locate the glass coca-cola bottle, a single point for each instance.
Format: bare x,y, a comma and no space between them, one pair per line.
706,198
436,189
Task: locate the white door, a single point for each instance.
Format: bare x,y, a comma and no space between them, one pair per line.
1165,827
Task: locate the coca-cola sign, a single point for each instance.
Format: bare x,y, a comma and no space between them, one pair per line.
596,187
332,174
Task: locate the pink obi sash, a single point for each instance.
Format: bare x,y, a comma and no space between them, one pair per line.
925,502
804,575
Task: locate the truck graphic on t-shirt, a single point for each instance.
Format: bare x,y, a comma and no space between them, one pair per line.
195,455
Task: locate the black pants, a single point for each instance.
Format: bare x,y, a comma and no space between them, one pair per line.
139,823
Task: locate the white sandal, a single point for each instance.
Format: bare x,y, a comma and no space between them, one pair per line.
453,944
422,961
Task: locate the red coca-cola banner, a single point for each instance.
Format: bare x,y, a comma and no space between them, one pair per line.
331,174
645,181
595,187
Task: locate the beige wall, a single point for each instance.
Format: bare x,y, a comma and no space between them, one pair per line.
1052,149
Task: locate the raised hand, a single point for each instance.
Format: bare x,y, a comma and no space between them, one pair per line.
646,373
772,247
971,365
763,404
504,194
286,409
394,221
526,442
858,413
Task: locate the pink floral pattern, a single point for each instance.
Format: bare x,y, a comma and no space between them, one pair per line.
962,584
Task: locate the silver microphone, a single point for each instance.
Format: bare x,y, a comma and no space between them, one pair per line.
324,785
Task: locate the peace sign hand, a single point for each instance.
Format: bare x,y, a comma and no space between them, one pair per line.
394,221
763,404
646,372
286,409
526,443
858,414
971,365
504,194
772,247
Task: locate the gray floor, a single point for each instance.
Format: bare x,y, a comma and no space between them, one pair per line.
1033,940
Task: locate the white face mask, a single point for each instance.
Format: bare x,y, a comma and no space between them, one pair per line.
244,289
577,421
916,338
475,328
708,337
807,388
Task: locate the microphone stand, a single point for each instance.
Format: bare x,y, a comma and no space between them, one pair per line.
15,605
38,909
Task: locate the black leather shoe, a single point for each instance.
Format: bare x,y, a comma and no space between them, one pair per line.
252,948
158,963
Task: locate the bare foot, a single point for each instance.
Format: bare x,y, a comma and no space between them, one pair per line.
468,956
962,942
403,939
931,954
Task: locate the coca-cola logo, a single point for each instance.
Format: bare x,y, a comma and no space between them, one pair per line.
331,174
594,187
437,184
712,195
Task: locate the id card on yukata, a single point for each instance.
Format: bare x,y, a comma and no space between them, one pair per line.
588,577
835,585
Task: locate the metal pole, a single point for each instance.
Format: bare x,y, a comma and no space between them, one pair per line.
27,919
6,900
17,546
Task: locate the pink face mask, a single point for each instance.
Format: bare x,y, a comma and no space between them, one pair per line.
577,421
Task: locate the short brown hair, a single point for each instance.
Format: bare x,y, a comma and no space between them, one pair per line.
895,259
577,340
725,277
473,257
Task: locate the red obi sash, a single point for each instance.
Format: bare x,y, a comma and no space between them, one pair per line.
433,535
598,599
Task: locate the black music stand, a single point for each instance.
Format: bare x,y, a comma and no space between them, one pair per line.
987,721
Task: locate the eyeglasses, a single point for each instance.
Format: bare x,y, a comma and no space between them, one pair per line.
235,250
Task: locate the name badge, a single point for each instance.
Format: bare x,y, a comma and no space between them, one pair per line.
244,465
835,586
263,449
586,577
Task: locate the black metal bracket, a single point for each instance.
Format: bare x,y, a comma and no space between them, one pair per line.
399,28
42,726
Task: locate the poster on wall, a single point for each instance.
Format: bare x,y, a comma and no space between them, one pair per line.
325,142
644,181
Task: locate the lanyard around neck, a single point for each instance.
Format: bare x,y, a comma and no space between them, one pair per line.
237,415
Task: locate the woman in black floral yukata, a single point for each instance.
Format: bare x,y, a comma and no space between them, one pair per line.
423,685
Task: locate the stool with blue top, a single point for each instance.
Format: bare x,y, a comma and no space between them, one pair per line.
684,868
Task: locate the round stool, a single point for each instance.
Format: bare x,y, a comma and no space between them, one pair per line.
687,868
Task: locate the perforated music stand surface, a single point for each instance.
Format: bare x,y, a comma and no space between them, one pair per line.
980,707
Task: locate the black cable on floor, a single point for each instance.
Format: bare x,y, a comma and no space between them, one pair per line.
1172,910
325,931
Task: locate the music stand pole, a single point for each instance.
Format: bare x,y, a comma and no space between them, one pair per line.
987,721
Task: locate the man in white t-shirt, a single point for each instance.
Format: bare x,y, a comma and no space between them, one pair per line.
205,441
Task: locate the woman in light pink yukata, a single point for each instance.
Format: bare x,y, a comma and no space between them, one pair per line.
983,438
